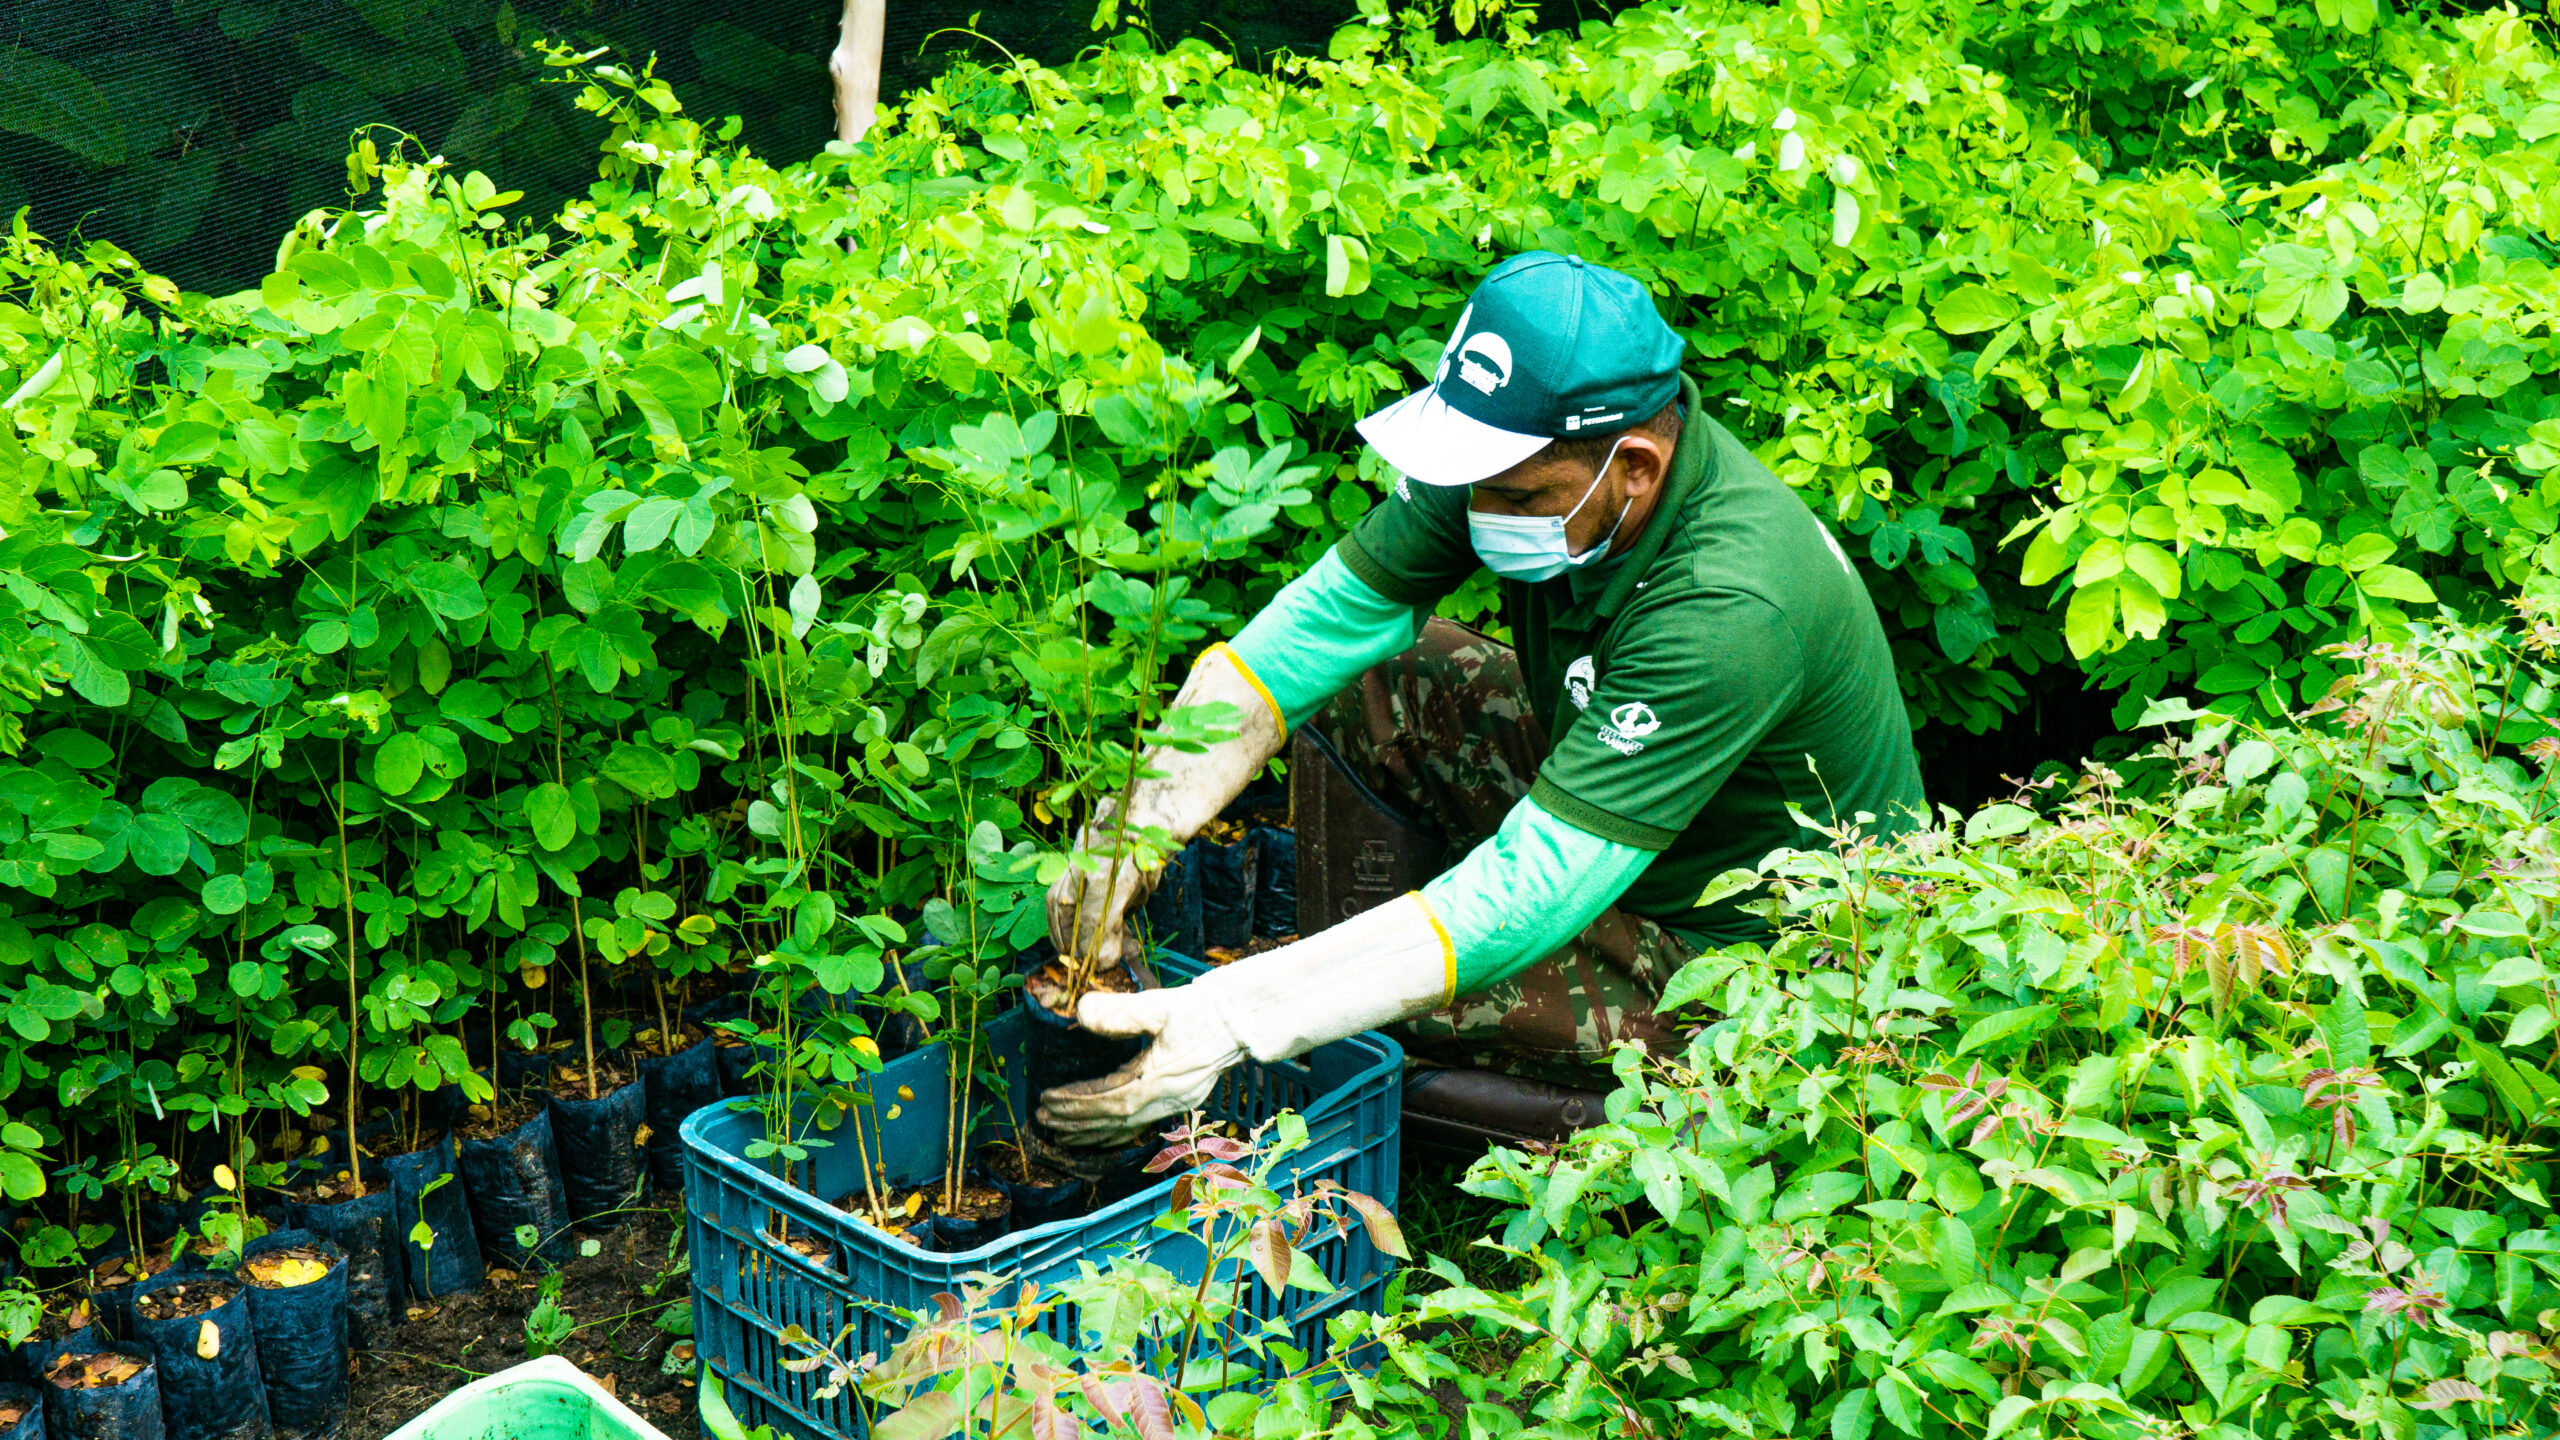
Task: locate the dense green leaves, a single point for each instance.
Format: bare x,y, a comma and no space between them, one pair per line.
2097,1115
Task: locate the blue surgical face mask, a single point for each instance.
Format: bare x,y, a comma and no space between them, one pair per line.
1532,547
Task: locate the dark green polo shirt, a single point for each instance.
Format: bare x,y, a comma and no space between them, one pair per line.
1731,646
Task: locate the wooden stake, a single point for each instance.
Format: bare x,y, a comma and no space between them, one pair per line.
855,66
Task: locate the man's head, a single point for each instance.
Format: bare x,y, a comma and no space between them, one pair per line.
1568,479
1559,371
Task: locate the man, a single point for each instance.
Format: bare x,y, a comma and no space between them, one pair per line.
1696,644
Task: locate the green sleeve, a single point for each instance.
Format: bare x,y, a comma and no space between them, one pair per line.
1412,547
1518,897
1318,634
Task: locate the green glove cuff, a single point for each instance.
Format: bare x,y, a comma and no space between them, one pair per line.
1518,897
1319,633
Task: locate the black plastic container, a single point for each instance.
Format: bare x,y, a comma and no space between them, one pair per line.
129,1411
30,1424
518,1070
1173,918
205,1397
952,1234
1038,1204
302,1339
115,1302
1275,883
513,1180
452,1264
676,1086
1226,892
1123,1172
29,1361
377,1271
601,1163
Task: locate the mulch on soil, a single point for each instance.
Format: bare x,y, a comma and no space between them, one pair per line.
463,1337
187,1297
505,1113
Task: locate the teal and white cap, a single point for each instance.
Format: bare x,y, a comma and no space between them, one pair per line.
1549,346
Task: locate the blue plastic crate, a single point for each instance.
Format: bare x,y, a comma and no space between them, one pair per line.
747,1288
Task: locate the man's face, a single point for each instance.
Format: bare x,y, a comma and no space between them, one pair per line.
1543,485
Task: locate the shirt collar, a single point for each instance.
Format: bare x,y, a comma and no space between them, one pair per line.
1690,460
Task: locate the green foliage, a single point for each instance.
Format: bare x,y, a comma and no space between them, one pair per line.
759,568
2215,1091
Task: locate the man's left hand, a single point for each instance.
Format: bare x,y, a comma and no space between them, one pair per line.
1380,966
1190,1047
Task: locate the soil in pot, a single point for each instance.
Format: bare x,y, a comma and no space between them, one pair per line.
512,1179
186,1297
421,1191
505,1111
21,1413
112,1282
298,1308
110,1393
64,1327
598,1131
1039,1194
95,1370
906,1216
979,1215
202,1341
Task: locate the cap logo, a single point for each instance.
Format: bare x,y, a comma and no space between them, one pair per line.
1495,352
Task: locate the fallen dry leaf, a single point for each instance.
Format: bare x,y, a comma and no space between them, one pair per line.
90,1372
208,1340
284,1269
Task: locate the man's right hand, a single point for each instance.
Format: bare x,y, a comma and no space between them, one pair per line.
1182,791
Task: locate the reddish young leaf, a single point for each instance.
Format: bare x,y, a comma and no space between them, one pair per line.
1050,1420
1384,1232
1270,1252
1148,1409
1105,1398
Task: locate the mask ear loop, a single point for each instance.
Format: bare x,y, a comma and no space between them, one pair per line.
1606,540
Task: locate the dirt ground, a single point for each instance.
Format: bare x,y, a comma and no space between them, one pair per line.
613,1297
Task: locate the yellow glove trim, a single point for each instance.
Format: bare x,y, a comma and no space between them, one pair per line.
1253,680
1448,950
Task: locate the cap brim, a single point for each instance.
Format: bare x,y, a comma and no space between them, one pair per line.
1429,440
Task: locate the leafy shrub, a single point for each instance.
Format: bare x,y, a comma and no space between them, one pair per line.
2206,1092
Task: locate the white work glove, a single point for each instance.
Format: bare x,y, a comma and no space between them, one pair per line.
1380,966
1088,909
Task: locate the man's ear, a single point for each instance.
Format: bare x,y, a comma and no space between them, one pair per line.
1647,459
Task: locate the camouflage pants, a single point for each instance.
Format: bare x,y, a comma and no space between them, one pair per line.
1445,732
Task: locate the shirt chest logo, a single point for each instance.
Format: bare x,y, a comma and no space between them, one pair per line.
1579,677
1627,726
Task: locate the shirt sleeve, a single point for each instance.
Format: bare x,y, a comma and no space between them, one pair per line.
1318,634
1519,896
1682,704
1413,546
